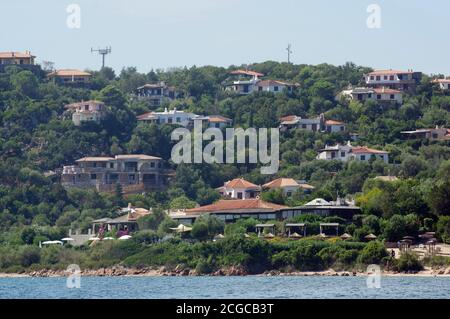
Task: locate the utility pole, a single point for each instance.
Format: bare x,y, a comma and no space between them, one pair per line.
289,52
103,52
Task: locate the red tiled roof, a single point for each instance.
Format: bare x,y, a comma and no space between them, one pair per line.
281,182
442,81
333,122
6,55
273,82
389,72
386,91
246,72
236,204
288,118
240,183
218,119
69,72
146,116
366,150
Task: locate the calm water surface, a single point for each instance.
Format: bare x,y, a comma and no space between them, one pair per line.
226,287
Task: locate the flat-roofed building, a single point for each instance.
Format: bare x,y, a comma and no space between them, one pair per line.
70,77
394,79
135,173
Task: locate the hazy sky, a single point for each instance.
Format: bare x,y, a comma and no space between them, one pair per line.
414,34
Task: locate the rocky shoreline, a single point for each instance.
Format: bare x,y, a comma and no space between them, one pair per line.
118,271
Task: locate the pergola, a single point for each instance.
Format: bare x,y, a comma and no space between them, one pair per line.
260,228
289,227
326,225
431,246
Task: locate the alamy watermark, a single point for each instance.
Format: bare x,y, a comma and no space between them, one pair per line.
374,277
73,20
74,279
374,19
231,149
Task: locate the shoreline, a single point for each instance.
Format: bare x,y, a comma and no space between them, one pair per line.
233,271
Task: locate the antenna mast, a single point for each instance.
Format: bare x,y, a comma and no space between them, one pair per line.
103,52
289,52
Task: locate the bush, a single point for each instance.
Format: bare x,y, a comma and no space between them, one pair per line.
443,229
373,253
200,231
30,255
408,262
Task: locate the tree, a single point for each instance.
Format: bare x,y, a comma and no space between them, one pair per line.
443,228
373,253
26,83
200,230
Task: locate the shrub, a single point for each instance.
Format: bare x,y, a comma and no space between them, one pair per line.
408,262
373,253
29,255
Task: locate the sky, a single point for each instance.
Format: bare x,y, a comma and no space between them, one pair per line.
160,34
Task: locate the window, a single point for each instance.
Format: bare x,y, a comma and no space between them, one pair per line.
239,195
178,120
370,95
152,164
111,165
385,77
303,125
372,77
342,154
391,78
169,120
392,96
260,88
363,157
275,88
289,194
378,78
93,176
379,97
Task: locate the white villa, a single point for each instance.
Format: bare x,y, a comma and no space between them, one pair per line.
376,94
394,79
168,117
248,82
318,124
444,84
239,188
348,152
288,185
86,111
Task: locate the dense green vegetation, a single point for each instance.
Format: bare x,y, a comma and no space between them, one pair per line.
36,139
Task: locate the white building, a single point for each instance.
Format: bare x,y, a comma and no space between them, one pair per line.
383,94
444,84
332,126
86,111
239,188
398,80
318,124
157,93
174,116
274,86
347,152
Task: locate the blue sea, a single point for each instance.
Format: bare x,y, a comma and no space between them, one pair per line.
225,287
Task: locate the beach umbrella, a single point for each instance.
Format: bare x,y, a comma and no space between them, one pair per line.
67,239
182,229
296,235
52,242
269,235
322,235
219,236
94,239
346,236
108,238
246,235
371,237
125,237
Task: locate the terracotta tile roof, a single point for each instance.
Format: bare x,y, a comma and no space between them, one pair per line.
240,183
147,116
333,122
281,182
386,91
10,55
236,204
69,72
246,72
137,156
288,118
218,119
366,150
389,72
273,82
77,104
94,159
441,81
